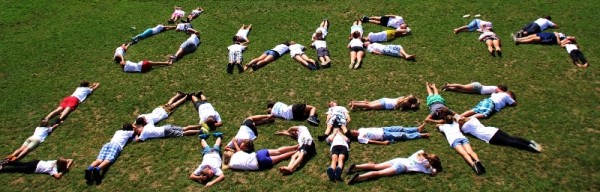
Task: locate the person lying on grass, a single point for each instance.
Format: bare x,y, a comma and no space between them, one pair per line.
268,56
108,154
496,136
211,163
544,38
248,130
242,34
236,55
297,112
55,168
437,105
389,50
177,14
70,103
321,32
260,160
492,41
497,101
388,135
39,135
473,88
301,156
475,25
162,112
357,50
461,144
119,56
337,116
383,36
339,153
537,26
570,44
193,15
393,21
403,103
151,32
209,117
419,162
322,52
188,46
142,66
297,53
356,26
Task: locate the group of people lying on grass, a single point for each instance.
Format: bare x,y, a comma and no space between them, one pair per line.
532,33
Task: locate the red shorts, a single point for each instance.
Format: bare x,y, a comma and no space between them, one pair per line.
70,101
146,66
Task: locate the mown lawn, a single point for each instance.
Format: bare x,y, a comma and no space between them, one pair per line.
49,47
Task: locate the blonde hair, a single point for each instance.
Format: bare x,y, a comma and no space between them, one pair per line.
409,102
226,158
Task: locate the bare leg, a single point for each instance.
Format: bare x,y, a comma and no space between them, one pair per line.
96,163
282,150
301,60
265,61
159,63
340,160
54,113
376,174
191,132
468,88
468,113
490,47
405,55
352,58
369,105
461,29
462,151
497,45
277,158
359,56
328,129
428,87
435,91
294,163
254,61
104,164
307,59
334,159
65,113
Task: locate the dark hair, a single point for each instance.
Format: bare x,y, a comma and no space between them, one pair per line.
127,127
140,121
61,165
436,163
270,104
512,95
84,84
249,146
356,34
235,39
548,17
44,123
286,43
502,87
118,60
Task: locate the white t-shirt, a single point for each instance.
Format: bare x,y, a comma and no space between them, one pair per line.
244,133
486,34
544,23
81,93
157,115
571,47
46,167
196,12
194,39
358,28
281,49
452,132
475,128
41,133
414,164
236,47
337,110
356,43
485,25
121,137
366,134
157,29
304,136
395,22
319,44
339,140
378,37
206,110
243,161
296,49
133,67
243,33
486,90
501,99
183,27
150,131
375,47
119,51
323,31
282,110
212,160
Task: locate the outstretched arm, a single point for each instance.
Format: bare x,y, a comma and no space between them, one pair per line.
94,86
218,179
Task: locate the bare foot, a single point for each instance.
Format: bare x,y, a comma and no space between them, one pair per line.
421,127
285,170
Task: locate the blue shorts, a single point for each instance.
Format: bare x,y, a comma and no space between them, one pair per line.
264,159
477,87
275,54
392,50
110,152
459,141
547,38
208,149
474,24
397,165
485,107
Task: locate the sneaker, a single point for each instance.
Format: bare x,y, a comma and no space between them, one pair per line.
493,53
351,169
353,179
229,68
351,66
537,147
475,169
240,68
499,53
480,167
322,137
217,134
199,94
338,174
181,93
203,136
88,175
408,31
96,174
134,40
365,19
330,174
313,120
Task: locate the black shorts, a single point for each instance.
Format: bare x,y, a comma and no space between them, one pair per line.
577,57
298,112
198,103
249,123
339,150
322,52
357,48
384,20
308,149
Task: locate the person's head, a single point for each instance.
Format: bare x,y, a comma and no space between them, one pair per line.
410,102
366,44
211,121
127,127
356,34
548,17
502,88
572,39
206,174
286,43
292,43
403,26
353,133
247,145
235,39
226,159
61,164
43,123
84,84
512,95
118,59
319,33
140,121
462,120
434,161
332,103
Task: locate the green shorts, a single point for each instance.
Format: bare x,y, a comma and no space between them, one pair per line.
435,98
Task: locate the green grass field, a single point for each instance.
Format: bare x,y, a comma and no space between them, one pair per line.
49,47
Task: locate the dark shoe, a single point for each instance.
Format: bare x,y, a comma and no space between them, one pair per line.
313,120
480,167
499,53
322,137
365,19
170,21
351,169
353,179
217,134
338,174
181,93
229,68
330,174
199,94
203,136
476,169
493,53
96,175
88,175
240,68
